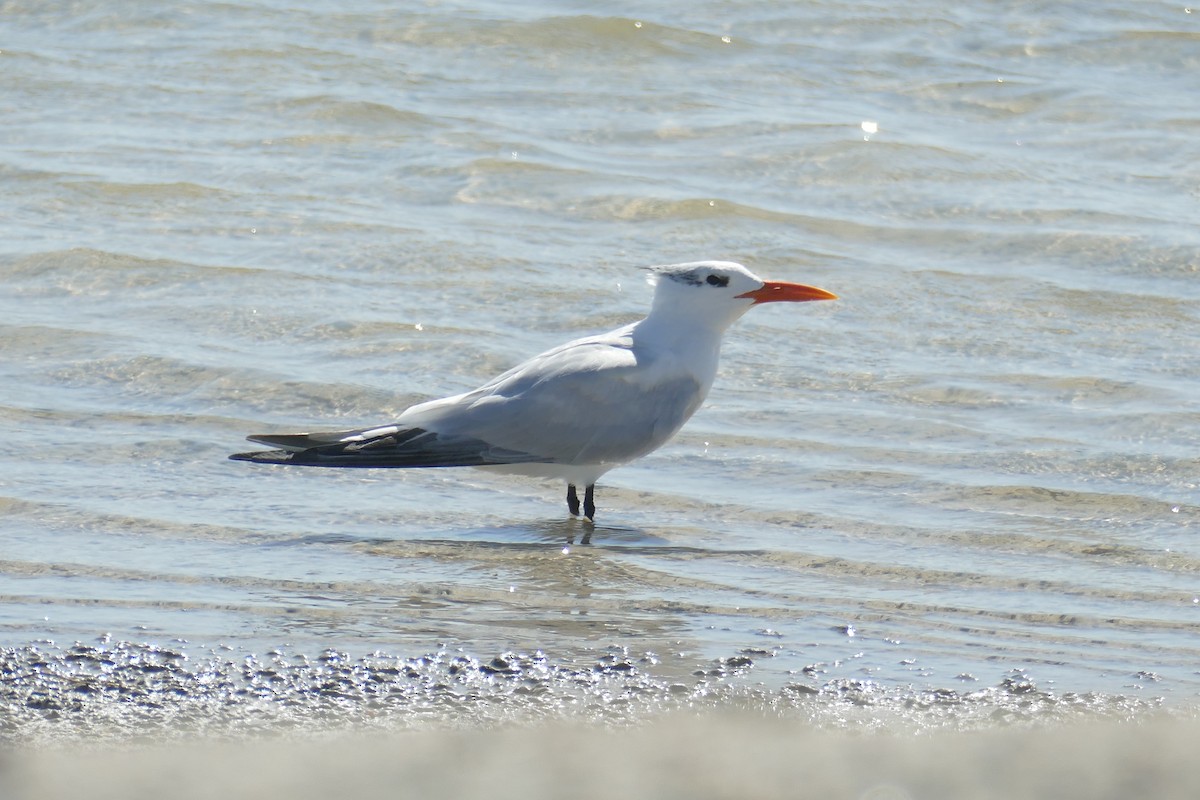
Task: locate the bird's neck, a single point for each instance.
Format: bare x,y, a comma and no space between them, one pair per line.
685,321
692,343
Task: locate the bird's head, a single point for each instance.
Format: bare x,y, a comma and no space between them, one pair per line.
721,291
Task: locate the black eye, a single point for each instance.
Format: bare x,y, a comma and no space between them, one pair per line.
717,280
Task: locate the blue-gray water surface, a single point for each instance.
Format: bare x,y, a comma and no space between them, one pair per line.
981,462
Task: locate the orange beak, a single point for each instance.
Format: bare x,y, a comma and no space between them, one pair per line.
782,292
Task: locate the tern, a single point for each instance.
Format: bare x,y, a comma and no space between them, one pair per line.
575,411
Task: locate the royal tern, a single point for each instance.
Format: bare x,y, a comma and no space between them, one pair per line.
573,412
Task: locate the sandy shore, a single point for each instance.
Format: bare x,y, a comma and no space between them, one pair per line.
711,755
129,721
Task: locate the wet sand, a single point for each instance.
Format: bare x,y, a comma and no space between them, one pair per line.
133,720
123,693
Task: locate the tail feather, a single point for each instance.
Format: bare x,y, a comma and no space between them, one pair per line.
389,447
295,442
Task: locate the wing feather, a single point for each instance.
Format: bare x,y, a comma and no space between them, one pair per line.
591,401
396,447
597,400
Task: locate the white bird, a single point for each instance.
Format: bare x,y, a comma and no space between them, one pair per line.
573,412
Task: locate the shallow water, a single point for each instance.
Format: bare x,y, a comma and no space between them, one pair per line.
982,461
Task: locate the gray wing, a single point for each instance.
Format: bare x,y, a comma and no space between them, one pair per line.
592,401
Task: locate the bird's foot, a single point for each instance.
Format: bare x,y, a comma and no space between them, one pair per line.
589,503
572,500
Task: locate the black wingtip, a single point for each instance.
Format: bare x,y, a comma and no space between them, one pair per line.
264,457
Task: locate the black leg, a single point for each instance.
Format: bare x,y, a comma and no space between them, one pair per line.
589,502
572,500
